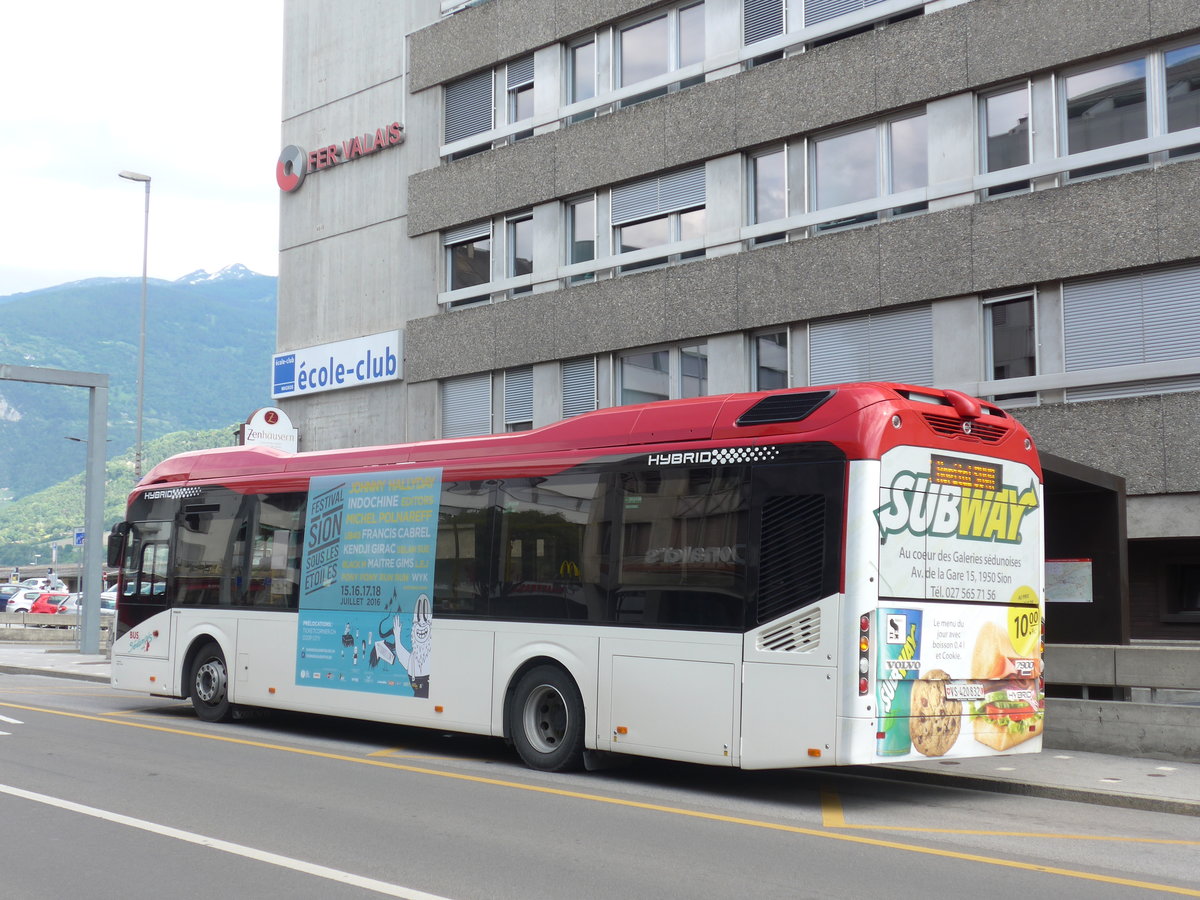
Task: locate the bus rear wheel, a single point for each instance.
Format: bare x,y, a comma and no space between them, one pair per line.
210,684
545,720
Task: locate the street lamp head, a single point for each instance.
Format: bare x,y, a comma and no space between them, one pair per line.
134,176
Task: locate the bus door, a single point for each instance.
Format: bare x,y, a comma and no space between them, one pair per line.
144,590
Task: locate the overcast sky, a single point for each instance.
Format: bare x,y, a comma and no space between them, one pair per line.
187,93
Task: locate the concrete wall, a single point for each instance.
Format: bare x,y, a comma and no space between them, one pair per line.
1157,730
347,267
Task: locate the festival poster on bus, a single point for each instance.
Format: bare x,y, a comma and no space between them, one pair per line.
366,609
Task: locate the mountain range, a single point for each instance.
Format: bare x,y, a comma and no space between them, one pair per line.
209,341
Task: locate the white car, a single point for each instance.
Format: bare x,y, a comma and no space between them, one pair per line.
23,599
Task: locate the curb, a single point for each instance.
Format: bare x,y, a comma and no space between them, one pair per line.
1143,802
53,673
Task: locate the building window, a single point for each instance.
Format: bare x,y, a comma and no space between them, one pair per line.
663,373
578,386
881,159
654,47
519,78
581,234
518,399
693,370
1183,92
769,190
1006,135
468,258
1105,106
1011,341
895,345
582,76
466,405
645,376
520,249
659,211
468,103
769,365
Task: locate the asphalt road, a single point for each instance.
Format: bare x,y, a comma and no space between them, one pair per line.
105,794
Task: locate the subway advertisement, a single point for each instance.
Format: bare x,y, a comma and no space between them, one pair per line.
958,635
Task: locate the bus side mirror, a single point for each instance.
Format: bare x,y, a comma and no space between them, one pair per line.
116,543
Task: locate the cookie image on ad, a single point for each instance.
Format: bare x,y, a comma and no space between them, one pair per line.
936,720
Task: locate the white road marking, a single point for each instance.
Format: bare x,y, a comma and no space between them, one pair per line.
10,721
287,862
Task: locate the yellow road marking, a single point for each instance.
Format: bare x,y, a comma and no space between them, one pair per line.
634,804
832,816
398,752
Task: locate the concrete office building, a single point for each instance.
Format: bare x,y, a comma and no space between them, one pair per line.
559,205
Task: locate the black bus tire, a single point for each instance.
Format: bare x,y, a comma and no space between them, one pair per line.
209,684
545,720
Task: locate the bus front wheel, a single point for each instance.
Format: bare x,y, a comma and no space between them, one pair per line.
210,684
545,720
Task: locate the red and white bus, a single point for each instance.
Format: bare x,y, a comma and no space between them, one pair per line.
832,575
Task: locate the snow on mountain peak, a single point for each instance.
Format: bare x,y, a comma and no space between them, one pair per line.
229,273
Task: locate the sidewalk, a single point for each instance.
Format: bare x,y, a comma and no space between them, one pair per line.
1130,782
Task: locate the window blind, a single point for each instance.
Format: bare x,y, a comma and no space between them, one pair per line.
761,19
518,395
656,196
578,386
1127,320
823,10
468,106
889,346
467,405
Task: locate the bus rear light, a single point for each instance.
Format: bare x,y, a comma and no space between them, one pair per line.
879,735
864,653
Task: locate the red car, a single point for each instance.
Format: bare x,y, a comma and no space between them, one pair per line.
49,603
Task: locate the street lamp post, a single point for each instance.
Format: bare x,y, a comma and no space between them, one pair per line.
141,377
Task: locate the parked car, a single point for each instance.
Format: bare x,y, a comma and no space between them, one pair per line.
46,584
6,592
22,600
48,602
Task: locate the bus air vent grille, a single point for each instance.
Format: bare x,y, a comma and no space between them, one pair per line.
798,635
784,408
792,553
951,427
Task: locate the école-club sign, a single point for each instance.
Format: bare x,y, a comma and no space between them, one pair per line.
343,364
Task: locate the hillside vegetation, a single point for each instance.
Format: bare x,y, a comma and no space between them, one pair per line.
209,341
52,515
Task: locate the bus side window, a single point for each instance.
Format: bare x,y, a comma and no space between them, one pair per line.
462,570
544,573
683,548
276,541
